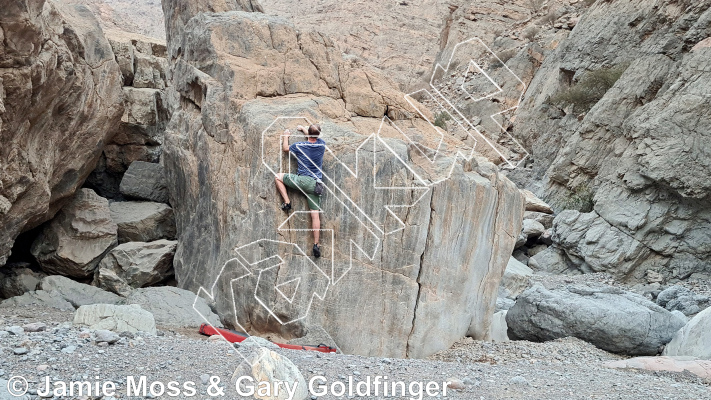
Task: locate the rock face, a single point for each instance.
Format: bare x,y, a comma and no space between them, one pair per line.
77,238
145,181
173,307
609,318
143,221
427,256
693,339
140,133
640,155
124,318
135,265
61,101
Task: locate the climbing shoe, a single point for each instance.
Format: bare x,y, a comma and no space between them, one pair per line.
317,251
285,207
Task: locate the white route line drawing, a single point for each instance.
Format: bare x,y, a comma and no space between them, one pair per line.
336,193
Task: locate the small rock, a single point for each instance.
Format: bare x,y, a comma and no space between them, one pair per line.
532,228
519,380
42,367
20,351
34,327
205,378
107,336
69,349
455,384
15,330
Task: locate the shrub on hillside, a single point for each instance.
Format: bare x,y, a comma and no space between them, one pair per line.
591,87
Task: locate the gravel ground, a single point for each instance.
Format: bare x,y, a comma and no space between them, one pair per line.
562,369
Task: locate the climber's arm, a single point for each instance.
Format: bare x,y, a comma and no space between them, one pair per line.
285,141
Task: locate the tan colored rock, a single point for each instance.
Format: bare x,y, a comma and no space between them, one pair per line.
533,203
438,276
702,44
61,101
264,365
116,318
134,265
77,238
143,221
700,368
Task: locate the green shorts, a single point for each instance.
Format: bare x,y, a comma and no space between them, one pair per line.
305,184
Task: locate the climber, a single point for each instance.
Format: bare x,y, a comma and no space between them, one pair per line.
309,157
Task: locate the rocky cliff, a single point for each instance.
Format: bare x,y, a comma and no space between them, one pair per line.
618,122
60,102
414,242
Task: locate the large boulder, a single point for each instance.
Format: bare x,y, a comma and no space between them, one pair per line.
135,265
61,101
264,365
609,318
145,181
424,235
694,339
116,318
516,278
632,143
78,294
39,298
17,281
682,299
143,221
77,238
174,308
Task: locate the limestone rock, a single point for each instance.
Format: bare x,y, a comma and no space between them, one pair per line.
78,294
140,133
693,339
591,244
700,368
682,299
173,307
438,272
607,317
264,365
533,203
135,265
61,101
17,281
143,221
116,318
499,329
516,277
105,336
149,71
630,155
78,237
145,181
544,219
38,298
532,228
